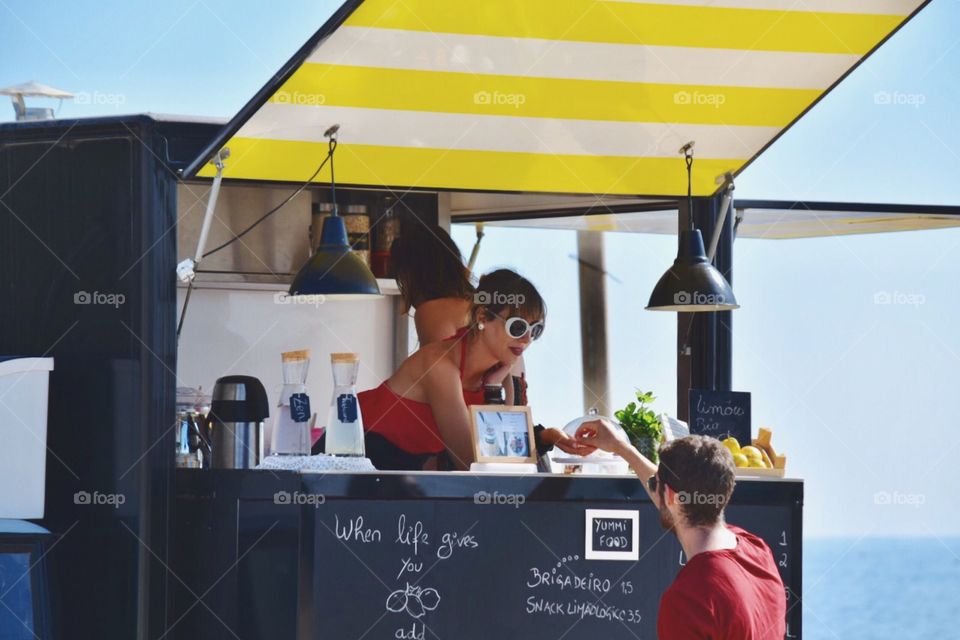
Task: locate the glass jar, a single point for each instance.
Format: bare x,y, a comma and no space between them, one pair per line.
344,435
386,230
291,429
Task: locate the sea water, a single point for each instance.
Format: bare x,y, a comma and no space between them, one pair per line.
881,588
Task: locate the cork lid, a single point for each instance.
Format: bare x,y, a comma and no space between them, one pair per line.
344,357
292,356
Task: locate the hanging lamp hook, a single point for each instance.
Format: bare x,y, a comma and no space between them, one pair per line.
687,151
331,135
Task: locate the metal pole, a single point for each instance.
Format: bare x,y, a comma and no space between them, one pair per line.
705,340
593,322
685,327
723,261
705,211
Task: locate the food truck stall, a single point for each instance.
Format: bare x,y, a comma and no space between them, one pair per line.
543,114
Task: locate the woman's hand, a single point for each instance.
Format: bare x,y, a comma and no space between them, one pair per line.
565,443
598,434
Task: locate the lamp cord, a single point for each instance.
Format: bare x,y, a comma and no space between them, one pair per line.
183,312
279,206
687,152
331,147
688,158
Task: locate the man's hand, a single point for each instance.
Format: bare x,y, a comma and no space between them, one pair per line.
565,443
601,435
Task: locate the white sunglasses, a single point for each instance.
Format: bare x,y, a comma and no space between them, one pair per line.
517,327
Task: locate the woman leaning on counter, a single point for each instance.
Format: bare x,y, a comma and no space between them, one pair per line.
418,417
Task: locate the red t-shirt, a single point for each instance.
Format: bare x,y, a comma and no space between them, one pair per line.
730,594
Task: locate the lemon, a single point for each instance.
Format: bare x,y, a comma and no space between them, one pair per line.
760,464
740,460
732,444
752,453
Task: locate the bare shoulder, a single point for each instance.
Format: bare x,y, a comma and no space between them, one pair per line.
429,361
440,318
444,305
439,358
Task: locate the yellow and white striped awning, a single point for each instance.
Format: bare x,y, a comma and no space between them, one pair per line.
565,96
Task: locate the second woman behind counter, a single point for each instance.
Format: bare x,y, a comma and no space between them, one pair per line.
433,281
438,286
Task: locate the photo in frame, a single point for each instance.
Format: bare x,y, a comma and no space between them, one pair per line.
502,433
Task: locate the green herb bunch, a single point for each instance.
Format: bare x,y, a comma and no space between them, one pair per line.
642,425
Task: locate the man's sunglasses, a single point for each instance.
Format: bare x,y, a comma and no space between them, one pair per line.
653,482
517,327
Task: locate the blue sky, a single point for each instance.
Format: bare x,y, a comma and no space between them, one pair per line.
859,395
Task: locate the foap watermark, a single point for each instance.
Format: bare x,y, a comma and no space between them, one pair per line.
899,298
282,297
299,499
697,297
512,499
699,98
99,298
96,498
700,498
496,98
899,99
302,98
498,298
899,499
100,98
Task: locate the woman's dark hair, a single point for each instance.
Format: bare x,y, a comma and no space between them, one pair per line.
506,293
428,265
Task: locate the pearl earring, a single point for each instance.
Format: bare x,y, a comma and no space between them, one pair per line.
480,326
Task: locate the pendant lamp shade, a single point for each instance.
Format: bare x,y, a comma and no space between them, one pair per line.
335,269
692,284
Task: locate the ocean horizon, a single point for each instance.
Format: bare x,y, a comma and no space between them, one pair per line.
881,588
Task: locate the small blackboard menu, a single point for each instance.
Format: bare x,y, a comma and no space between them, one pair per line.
721,414
612,534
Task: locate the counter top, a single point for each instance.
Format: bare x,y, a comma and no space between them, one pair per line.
460,485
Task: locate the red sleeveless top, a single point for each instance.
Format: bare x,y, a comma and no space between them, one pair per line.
409,424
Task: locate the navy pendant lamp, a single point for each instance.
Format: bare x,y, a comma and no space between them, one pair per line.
692,284
335,270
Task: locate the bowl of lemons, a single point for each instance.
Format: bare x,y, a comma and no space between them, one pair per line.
758,458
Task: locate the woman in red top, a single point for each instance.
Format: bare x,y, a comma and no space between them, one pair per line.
421,410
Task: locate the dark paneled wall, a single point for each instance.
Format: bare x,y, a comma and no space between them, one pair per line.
87,256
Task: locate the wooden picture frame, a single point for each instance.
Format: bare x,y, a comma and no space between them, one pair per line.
490,426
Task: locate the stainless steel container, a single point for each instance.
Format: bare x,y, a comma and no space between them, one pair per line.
237,412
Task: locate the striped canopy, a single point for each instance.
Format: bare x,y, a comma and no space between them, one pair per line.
563,96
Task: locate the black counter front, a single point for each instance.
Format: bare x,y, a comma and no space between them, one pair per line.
259,554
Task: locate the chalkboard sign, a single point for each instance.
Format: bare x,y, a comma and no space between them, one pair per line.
721,414
420,569
612,534
439,556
